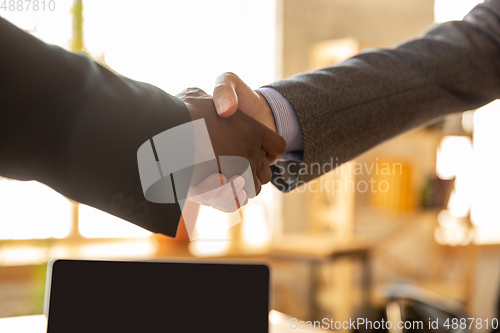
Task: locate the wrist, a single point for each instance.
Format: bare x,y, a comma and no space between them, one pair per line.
266,113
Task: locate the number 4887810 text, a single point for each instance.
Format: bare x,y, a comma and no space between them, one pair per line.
27,5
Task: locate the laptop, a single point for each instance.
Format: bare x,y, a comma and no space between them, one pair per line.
130,296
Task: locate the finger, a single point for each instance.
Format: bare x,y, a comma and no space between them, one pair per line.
273,145
264,172
226,194
242,198
257,184
238,182
207,188
246,200
192,92
215,197
232,206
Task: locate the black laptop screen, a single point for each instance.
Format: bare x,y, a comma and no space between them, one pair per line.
115,296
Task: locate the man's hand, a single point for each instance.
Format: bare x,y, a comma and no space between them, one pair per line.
231,94
216,191
239,135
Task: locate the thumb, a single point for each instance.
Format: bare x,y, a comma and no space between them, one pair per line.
231,93
225,97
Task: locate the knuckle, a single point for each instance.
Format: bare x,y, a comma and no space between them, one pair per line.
230,74
231,210
219,87
265,176
257,189
282,144
227,208
257,185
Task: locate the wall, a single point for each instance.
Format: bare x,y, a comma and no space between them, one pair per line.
371,22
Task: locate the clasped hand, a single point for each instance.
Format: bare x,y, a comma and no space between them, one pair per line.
233,133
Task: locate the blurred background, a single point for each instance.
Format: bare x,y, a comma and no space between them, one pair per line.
429,232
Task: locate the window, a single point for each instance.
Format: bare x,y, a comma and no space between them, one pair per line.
449,10
171,44
32,210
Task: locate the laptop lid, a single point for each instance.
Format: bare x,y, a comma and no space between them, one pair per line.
125,296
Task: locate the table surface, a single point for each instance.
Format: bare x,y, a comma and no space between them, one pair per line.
278,323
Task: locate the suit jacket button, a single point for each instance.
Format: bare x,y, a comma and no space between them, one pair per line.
128,205
142,209
116,201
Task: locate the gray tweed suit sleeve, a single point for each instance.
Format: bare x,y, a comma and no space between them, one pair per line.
352,106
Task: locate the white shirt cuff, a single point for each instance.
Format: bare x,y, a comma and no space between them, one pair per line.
287,122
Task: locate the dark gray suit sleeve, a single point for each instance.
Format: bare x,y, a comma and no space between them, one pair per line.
349,108
74,125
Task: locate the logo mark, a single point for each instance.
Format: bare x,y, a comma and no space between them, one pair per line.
176,160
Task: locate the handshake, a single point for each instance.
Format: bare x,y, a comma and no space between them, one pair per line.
240,123
233,139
